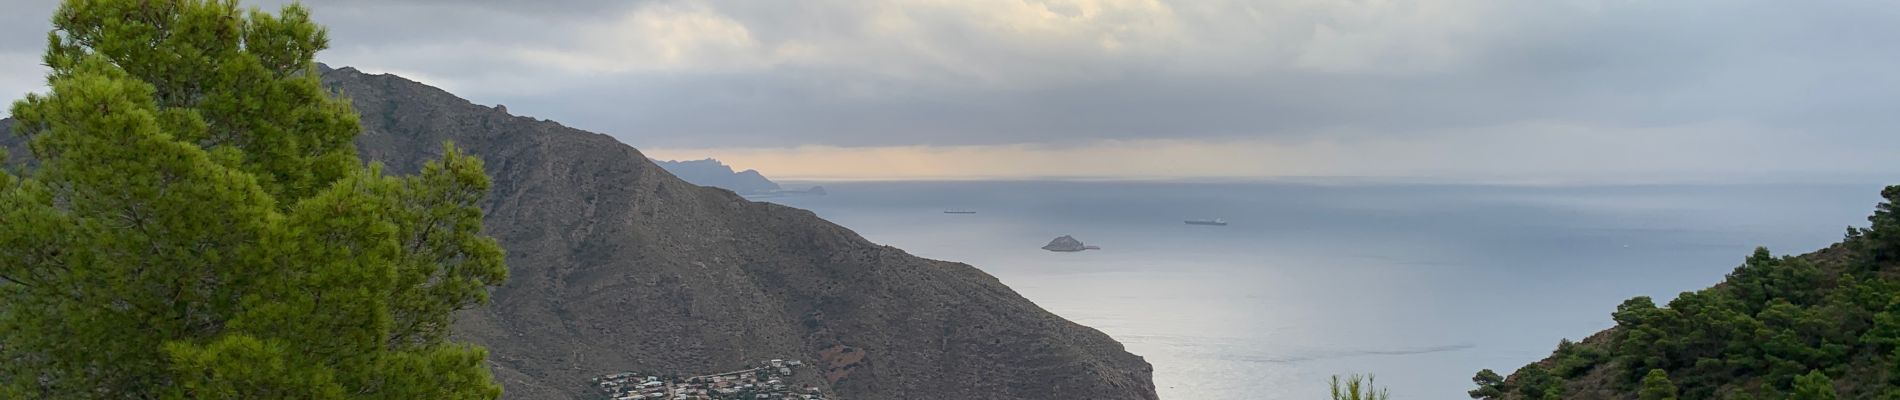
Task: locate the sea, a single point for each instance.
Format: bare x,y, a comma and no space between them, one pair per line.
1418,285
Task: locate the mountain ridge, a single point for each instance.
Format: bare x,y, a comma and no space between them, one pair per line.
617,265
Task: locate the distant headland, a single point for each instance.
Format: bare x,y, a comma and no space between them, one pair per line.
749,183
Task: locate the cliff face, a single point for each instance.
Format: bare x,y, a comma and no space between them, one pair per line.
617,265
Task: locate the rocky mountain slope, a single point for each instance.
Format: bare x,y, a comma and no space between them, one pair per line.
617,265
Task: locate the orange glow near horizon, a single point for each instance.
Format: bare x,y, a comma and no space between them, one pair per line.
1523,153
1141,159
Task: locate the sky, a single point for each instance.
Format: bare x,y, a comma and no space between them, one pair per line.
1550,90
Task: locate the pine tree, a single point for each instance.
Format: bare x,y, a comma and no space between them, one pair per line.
1883,237
1813,386
1656,386
199,225
1490,385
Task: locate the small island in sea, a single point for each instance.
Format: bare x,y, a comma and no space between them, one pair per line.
1068,244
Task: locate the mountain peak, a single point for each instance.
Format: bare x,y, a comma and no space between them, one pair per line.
618,265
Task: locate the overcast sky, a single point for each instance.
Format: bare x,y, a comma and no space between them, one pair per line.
1506,89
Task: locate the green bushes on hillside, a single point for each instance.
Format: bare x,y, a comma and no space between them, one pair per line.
1777,327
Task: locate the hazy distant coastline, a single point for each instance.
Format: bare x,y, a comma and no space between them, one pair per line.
749,183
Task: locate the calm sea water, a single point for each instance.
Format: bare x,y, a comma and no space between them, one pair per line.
1421,285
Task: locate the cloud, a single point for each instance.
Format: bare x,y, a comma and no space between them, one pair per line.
672,37
1071,74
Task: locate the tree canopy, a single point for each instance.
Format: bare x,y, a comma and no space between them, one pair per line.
1656,386
198,224
1813,386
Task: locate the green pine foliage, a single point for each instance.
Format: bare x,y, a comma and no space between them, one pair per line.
1535,382
1775,326
199,225
1573,360
1490,385
1813,386
1656,386
1883,239
1358,387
